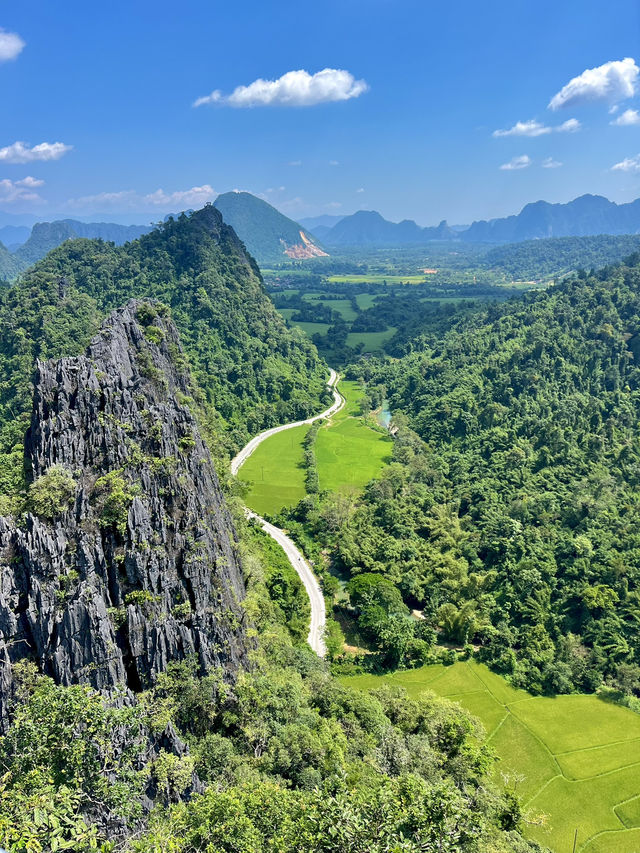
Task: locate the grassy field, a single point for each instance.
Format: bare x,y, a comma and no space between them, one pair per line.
311,329
574,760
348,454
275,472
365,300
372,341
378,279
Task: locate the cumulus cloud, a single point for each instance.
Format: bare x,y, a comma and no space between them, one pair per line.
627,118
20,152
131,200
11,45
517,163
293,89
21,190
629,164
572,125
612,82
535,128
550,163
524,128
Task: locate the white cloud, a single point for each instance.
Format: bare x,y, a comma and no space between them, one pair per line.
517,163
629,164
20,152
10,45
293,89
572,125
131,200
21,190
613,82
334,205
627,118
294,163
534,128
360,190
334,163
524,128
550,163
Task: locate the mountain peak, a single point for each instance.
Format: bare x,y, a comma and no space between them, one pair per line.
269,235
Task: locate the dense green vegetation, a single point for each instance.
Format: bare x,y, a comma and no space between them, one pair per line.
572,759
10,266
253,373
290,759
536,259
509,515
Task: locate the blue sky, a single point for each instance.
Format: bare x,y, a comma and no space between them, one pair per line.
425,87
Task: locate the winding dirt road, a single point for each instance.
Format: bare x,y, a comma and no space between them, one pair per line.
302,567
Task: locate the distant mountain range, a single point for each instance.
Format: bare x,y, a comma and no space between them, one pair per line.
45,236
584,216
269,235
368,228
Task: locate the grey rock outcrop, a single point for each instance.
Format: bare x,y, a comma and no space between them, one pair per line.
141,568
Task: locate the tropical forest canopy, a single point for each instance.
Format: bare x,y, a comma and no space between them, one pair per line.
510,513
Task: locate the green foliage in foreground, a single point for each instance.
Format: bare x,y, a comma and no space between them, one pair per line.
572,760
292,760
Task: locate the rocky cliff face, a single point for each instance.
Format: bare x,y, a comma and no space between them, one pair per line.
135,564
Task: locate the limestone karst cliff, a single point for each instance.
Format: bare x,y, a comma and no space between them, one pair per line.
127,558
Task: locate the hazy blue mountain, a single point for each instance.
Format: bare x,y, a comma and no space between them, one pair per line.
269,235
369,228
325,221
14,235
582,217
45,236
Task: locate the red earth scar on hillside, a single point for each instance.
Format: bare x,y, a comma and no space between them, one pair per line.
306,249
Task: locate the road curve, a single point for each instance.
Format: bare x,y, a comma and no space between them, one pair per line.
302,567
238,461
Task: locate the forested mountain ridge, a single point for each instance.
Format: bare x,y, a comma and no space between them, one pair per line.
252,371
511,516
537,259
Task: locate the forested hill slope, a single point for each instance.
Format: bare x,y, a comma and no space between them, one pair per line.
253,372
269,235
514,521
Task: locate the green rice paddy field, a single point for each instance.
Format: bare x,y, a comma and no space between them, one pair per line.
378,278
348,452
574,760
